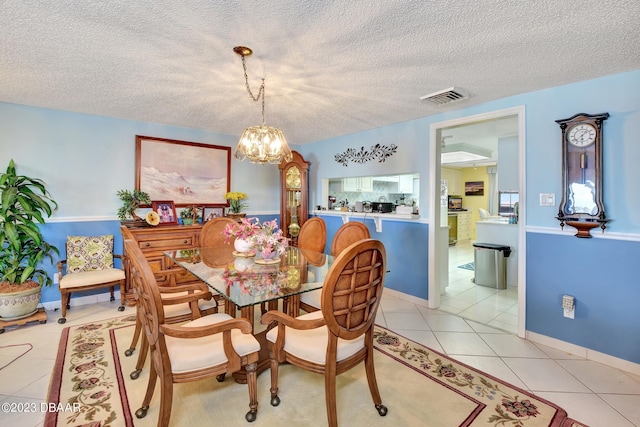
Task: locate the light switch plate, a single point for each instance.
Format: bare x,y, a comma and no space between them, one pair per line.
547,199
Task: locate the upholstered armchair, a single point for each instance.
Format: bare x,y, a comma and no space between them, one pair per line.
340,336
209,346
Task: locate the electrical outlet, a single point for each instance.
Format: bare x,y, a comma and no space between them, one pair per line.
56,278
568,306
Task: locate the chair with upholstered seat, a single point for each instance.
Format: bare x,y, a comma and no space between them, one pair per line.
175,312
340,336
210,346
347,234
89,265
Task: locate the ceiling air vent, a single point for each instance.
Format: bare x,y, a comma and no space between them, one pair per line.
445,96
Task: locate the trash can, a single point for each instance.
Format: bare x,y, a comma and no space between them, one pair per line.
490,264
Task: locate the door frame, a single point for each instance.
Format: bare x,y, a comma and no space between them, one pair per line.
436,232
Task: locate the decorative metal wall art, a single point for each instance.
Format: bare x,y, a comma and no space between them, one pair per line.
379,152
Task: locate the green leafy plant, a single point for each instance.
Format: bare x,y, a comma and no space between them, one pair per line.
234,198
131,200
25,203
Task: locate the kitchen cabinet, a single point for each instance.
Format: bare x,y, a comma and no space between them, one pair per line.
363,183
464,226
454,181
405,184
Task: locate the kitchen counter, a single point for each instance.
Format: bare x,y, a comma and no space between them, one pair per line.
375,216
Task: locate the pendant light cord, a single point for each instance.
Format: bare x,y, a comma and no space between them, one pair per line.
260,92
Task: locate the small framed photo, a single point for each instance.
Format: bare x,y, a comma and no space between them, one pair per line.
211,213
166,210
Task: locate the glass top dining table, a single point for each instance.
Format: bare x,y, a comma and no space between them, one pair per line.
246,281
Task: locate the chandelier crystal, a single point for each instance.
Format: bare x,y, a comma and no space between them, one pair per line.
260,144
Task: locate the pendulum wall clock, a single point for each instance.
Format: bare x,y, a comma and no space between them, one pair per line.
294,195
581,206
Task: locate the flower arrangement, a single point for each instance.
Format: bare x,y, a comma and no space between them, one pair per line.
234,198
269,239
266,237
245,229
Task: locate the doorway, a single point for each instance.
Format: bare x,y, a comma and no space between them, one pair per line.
439,237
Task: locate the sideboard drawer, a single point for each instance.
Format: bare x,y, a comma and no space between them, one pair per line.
167,244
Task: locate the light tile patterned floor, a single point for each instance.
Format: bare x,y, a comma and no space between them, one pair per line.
590,392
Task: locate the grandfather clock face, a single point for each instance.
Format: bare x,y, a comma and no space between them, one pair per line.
293,179
582,166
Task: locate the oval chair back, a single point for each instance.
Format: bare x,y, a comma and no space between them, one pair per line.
211,234
313,235
348,234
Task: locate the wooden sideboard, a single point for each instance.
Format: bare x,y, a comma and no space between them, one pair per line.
153,241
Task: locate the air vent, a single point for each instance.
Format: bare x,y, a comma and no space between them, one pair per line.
445,96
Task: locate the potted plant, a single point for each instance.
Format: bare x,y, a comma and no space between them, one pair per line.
189,215
132,200
25,203
235,204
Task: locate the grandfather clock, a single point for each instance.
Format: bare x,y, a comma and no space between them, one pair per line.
294,195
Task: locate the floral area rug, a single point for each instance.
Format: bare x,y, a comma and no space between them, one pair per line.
418,385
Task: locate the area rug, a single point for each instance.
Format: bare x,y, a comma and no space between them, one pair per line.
467,266
421,387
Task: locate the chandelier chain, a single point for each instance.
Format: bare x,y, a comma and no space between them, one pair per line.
260,92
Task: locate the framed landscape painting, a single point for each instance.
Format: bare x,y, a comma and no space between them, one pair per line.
189,173
474,188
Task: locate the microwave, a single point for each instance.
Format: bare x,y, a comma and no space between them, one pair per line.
455,203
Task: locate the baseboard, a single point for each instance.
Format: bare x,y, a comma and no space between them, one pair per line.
596,356
83,300
406,297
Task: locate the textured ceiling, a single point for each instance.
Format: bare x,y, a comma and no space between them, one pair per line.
332,67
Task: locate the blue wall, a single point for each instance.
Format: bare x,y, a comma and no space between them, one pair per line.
408,268
85,159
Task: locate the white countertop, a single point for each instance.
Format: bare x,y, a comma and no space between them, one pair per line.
391,215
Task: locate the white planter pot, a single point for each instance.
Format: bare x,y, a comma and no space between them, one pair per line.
242,246
16,305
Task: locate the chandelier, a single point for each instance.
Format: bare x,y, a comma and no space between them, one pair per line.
260,144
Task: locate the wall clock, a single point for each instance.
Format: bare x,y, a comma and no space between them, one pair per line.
294,196
581,206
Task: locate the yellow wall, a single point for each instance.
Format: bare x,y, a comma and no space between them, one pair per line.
472,203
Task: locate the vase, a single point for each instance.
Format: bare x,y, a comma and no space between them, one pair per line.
269,256
237,216
242,264
242,246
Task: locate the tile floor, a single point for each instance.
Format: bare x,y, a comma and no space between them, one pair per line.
489,306
590,392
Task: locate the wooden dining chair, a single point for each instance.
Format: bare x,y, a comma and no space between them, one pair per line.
340,336
174,312
313,235
347,234
211,234
209,346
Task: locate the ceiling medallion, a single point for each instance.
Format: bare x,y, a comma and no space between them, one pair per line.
379,152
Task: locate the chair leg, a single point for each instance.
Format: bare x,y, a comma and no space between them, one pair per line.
166,400
330,394
275,400
142,356
252,380
63,300
111,290
151,385
121,308
134,340
373,384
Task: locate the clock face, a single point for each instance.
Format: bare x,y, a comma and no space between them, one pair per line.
581,135
293,179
